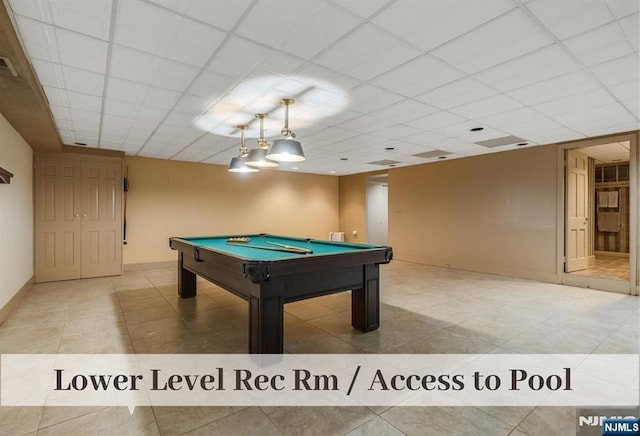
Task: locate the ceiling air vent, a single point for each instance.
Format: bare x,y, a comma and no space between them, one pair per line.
384,162
6,67
497,142
433,154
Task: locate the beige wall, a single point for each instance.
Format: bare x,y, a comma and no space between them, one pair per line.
493,213
16,213
168,198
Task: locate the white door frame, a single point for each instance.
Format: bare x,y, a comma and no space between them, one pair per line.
633,286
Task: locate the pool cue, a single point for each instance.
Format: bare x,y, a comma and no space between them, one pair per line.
262,247
290,247
125,188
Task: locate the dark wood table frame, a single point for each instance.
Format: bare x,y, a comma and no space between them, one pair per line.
268,285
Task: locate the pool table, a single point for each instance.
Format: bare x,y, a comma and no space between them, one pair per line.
270,276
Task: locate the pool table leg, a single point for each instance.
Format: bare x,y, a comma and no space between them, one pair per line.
365,302
266,325
186,280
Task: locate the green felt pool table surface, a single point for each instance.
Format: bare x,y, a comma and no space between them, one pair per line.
270,252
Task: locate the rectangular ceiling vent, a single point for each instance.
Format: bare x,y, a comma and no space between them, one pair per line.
384,162
432,154
6,67
497,142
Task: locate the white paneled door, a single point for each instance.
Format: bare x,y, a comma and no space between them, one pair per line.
101,219
57,219
78,219
577,234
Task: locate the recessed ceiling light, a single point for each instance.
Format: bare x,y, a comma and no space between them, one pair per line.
476,129
389,148
344,158
616,160
294,168
442,157
392,165
80,143
521,144
332,172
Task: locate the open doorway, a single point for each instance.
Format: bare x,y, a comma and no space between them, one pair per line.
377,209
598,206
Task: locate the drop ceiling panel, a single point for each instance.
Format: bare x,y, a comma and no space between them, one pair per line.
621,8
165,34
576,103
334,77
516,117
39,39
403,111
57,96
495,42
83,81
231,59
207,11
436,120
418,76
628,93
366,53
313,35
366,75
367,98
429,24
570,17
629,26
114,123
569,84
289,16
32,9
280,63
211,85
80,16
543,64
487,106
621,70
600,120
84,101
81,51
48,73
457,93
600,45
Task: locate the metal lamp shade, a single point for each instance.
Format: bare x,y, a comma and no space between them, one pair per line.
238,165
286,150
257,158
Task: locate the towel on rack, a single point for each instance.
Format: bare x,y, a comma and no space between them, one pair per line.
603,199
613,198
609,221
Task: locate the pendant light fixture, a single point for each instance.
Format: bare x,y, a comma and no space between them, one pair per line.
257,157
287,149
238,164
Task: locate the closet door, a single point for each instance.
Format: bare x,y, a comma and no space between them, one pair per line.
101,219
58,220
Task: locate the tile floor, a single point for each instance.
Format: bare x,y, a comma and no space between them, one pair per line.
424,310
609,267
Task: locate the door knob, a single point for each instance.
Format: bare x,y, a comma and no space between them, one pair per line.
84,215
76,215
